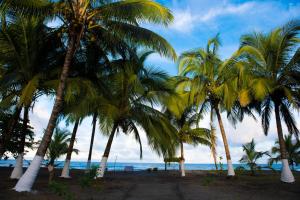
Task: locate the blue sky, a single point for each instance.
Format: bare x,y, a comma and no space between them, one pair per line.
195,22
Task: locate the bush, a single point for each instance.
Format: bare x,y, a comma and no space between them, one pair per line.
207,180
61,190
87,179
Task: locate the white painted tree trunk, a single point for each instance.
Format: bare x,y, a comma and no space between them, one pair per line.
18,169
102,166
182,168
66,170
230,168
286,173
26,181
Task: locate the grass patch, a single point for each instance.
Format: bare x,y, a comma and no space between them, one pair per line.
208,180
61,190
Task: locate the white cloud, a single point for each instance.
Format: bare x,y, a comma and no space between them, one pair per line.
186,20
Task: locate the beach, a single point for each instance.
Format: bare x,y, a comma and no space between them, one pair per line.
156,185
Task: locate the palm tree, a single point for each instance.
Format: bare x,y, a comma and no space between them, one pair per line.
58,147
251,156
25,45
211,84
186,133
274,80
135,88
213,140
111,20
292,148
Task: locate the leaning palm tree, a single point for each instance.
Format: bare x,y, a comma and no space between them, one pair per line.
135,88
273,68
292,148
211,84
251,156
186,124
112,20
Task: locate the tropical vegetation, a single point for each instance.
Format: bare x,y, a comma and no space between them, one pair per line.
93,63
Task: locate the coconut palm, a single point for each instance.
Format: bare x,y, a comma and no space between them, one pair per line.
25,45
112,20
135,88
292,148
58,147
211,84
273,60
188,131
251,156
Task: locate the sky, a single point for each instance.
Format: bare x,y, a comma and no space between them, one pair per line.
195,21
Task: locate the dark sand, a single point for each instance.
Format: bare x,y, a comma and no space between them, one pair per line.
159,185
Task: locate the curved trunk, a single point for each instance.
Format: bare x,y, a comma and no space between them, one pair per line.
18,169
229,162
102,166
65,172
286,173
7,136
26,181
213,140
88,166
182,159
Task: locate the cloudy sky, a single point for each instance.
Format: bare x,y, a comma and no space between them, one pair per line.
195,22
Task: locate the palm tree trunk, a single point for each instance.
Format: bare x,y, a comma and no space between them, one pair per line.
286,173
102,166
88,166
229,162
65,172
213,139
7,136
26,181
18,169
182,159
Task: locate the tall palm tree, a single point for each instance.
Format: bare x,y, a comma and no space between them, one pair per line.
211,84
26,44
188,131
213,140
292,148
251,156
112,19
135,89
273,68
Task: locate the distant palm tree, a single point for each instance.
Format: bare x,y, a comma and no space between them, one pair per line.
107,20
188,131
58,147
251,156
292,148
274,80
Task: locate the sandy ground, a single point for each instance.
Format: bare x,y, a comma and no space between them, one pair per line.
159,185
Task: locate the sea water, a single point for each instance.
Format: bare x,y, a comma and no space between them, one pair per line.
119,166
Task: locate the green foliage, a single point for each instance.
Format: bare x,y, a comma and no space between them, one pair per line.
207,180
221,165
292,148
251,156
13,145
61,190
88,178
58,145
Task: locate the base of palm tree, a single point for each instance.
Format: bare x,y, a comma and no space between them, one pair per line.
66,170
102,166
26,181
182,168
18,169
230,170
286,173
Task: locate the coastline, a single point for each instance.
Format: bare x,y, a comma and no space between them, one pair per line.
160,185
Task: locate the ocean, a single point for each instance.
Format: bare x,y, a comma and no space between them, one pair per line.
119,166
